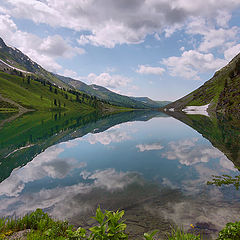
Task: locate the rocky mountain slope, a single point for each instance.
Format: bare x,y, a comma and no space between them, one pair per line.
12,58
221,92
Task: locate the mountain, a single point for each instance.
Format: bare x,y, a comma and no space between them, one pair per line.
221,92
24,94
11,57
150,102
112,97
26,86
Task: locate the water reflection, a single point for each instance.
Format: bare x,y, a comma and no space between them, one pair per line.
222,131
156,170
106,138
149,147
29,135
190,152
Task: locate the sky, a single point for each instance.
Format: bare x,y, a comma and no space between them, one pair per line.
162,49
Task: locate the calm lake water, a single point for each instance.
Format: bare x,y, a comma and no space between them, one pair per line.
149,164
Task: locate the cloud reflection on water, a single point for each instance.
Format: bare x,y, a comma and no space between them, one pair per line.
189,152
149,147
46,164
108,137
68,188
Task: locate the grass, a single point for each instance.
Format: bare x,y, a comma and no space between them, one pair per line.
109,226
7,107
41,225
221,91
37,96
43,97
179,234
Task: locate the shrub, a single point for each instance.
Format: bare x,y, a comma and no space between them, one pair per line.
230,232
110,226
179,234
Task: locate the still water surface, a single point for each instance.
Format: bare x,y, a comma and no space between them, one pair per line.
154,168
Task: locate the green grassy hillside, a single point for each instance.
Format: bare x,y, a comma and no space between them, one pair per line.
222,91
150,102
112,97
17,59
13,61
35,95
32,93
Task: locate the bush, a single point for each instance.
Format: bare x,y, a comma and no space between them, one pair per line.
110,226
179,234
230,232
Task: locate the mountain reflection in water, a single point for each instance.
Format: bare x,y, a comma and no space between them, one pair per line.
152,166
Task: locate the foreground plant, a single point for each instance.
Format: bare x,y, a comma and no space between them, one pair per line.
110,226
179,234
39,223
230,232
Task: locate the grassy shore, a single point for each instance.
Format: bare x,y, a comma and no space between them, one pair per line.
109,226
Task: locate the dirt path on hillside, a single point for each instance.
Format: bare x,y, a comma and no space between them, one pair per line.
21,110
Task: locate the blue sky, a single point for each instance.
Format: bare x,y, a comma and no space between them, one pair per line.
156,48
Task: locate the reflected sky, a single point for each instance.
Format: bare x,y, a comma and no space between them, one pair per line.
154,170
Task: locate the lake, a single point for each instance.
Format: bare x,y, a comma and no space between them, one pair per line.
153,166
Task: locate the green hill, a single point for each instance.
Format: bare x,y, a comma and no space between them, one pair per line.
12,60
150,102
12,57
222,91
36,95
23,93
112,97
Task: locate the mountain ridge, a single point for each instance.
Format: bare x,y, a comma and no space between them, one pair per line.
15,59
221,92
110,96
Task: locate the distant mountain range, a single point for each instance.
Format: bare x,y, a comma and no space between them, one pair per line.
112,97
13,58
150,102
221,92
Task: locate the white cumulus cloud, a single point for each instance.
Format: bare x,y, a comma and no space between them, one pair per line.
191,63
232,52
108,80
142,69
44,51
118,22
